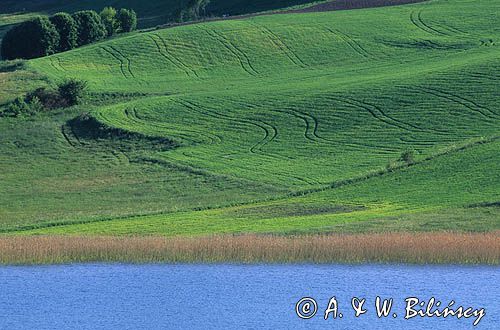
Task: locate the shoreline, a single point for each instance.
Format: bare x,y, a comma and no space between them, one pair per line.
439,248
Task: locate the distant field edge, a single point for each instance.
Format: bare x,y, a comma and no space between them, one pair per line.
316,7
390,248
352,4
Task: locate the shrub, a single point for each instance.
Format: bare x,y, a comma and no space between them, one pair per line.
49,98
72,91
127,20
90,27
20,107
68,31
408,156
36,37
110,21
10,66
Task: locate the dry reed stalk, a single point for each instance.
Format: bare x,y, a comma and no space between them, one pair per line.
437,248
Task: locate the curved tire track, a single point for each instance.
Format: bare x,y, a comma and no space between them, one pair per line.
122,64
416,19
285,49
243,59
469,104
164,55
381,116
270,131
132,115
129,63
178,63
353,44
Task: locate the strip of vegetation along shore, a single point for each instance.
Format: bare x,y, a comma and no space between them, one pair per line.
410,248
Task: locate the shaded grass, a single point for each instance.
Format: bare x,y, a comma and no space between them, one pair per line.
434,248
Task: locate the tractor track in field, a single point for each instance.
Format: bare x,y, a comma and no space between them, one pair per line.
160,51
451,29
79,145
270,134
270,131
59,62
312,126
122,64
66,136
132,115
479,75
469,104
58,66
416,19
172,58
353,44
51,61
243,58
311,122
279,43
128,64
381,116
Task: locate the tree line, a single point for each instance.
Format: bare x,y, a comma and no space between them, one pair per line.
194,10
42,36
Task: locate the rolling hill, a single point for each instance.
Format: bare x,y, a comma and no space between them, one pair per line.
285,123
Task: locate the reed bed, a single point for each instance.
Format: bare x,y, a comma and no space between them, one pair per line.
432,248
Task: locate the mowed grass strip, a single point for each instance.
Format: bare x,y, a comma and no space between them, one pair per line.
429,248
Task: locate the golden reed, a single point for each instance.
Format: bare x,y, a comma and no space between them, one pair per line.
436,248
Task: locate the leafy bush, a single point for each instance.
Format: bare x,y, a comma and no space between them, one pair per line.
408,156
110,21
127,20
36,37
14,65
90,27
20,107
72,91
49,98
68,31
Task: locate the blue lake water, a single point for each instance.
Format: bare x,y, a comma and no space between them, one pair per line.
237,296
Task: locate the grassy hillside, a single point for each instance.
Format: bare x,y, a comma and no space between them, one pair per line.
281,123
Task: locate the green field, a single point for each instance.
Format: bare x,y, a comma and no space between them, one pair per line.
290,123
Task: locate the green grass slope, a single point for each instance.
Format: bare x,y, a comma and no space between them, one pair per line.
451,192
263,109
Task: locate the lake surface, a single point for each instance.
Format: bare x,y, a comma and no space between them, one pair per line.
237,296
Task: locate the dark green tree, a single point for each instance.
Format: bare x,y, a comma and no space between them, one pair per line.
72,91
90,27
127,20
36,37
110,21
68,31
194,10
